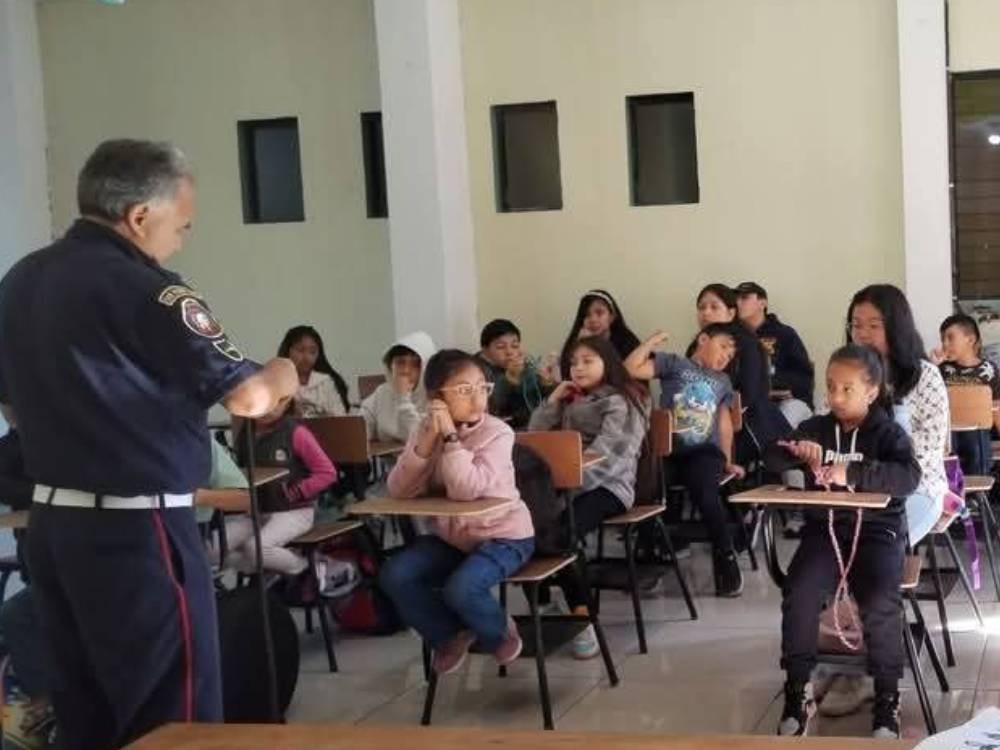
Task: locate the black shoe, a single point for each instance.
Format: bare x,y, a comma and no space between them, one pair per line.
885,716
800,707
728,576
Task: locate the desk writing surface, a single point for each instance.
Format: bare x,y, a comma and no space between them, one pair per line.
387,506
382,448
353,737
775,494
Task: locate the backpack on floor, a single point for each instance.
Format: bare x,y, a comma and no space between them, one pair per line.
243,656
364,608
534,483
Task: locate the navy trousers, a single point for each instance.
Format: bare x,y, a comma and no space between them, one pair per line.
127,612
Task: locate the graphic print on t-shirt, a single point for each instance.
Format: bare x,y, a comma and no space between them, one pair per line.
695,406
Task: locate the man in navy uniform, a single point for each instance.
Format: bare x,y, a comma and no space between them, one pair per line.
109,364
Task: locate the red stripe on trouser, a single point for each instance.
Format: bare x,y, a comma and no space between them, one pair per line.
182,609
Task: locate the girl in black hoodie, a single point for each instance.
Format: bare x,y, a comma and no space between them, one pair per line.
857,446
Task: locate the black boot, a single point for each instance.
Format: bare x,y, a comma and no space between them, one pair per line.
728,576
885,715
800,707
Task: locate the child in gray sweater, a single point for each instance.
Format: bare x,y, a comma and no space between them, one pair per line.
611,412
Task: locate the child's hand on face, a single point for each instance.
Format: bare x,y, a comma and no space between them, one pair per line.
937,355
428,434
403,384
807,451
515,368
563,391
442,418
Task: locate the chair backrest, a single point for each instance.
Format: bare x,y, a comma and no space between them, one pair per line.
562,450
970,407
343,439
736,409
368,383
661,432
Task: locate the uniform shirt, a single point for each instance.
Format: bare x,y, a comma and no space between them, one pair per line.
695,395
111,364
985,373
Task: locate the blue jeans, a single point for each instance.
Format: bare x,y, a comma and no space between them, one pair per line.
439,590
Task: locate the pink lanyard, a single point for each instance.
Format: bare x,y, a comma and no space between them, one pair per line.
843,593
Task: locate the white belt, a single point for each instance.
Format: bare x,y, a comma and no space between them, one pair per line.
77,499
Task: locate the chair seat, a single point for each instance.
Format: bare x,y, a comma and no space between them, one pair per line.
976,483
540,568
635,514
911,572
326,531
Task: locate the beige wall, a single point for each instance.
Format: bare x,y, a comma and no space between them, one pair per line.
187,70
797,110
974,34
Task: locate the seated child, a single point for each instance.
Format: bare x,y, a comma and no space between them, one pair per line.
281,442
395,407
610,410
322,391
519,387
857,446
699,393
961,362
441,583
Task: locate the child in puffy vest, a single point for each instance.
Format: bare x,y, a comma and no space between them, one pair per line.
289,504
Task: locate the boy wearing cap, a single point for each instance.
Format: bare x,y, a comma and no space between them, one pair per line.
790,364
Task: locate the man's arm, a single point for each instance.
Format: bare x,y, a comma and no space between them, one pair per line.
260,393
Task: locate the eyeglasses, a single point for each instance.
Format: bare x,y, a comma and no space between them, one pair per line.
467,390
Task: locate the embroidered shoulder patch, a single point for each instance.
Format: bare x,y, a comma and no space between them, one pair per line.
175,292
199,320
226,348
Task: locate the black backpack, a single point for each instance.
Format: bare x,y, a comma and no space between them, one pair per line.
534,482
244,663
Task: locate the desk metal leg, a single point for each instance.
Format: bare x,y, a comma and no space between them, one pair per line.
964,578
633,584
949,653
543,678
668,543
989,529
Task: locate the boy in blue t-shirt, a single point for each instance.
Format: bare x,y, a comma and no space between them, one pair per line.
699,394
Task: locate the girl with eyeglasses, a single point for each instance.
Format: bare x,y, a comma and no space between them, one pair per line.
610,410
441,583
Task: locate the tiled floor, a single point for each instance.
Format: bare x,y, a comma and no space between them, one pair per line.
717,674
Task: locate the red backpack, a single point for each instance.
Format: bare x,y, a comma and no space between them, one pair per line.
364,609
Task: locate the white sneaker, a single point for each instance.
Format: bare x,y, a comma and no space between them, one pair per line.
847,695
585,645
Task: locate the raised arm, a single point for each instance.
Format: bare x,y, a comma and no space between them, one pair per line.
640,362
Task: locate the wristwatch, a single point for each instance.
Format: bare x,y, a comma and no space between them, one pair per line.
451,437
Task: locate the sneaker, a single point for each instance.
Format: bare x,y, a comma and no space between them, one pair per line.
847,695
450,657
885,716
728,576
585,645
800,707
510,648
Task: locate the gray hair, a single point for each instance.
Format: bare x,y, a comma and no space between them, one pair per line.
122,173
